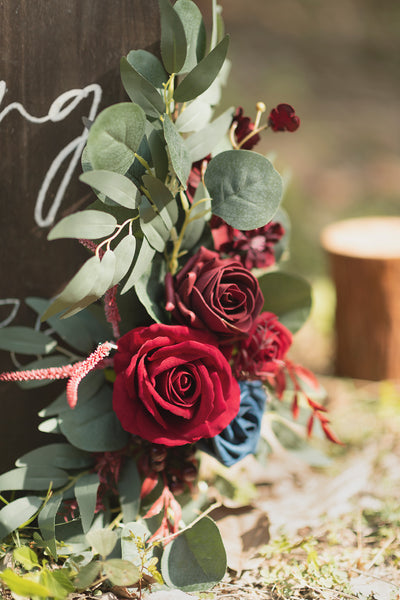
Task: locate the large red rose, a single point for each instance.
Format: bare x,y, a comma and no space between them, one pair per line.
215,294
261,354
173,385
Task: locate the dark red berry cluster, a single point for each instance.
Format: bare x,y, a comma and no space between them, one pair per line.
179,465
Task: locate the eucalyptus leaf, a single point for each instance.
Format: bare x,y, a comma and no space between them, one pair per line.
87,575
124,254
163,199
101,284
78,288
194,116
173,38
201,77
102,540
18,512
32,478
115,136
93,426
54,360
145,256
87,388
244,187
60,455
199,214
181,158
50,426
85,224
287,296
75,333
159,156
86,494
129,488
150,289
153,226
140,90
129,547
115,186
196,559
25,340
148,66
201,143
46,522
121,572
195,32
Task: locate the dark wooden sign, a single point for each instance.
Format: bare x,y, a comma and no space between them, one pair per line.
59,63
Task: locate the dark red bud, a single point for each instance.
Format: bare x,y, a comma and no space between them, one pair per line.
189,473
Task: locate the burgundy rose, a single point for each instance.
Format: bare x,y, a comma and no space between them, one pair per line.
283,118
254,248
244,128
215,294
261,354
173,386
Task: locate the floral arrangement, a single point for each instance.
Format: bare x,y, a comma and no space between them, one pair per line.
185,236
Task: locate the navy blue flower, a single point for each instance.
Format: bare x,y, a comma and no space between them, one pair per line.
241,436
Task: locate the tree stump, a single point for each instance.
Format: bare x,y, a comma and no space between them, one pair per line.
364,256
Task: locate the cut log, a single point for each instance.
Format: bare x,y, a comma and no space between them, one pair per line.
364,257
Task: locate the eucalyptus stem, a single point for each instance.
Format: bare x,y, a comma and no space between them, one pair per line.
114,235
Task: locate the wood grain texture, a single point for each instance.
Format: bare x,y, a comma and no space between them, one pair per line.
365,264
47,48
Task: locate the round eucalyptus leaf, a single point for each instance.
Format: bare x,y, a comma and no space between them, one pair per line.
196,559
115,136
245,188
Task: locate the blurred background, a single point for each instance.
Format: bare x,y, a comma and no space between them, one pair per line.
338,64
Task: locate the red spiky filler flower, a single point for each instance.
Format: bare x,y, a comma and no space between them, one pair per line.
283,118
75,373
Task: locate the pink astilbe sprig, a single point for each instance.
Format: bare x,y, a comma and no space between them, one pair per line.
111,310
75,373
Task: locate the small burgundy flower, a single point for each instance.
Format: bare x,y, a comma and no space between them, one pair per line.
254,248
214,294
244,128
260,355
283,118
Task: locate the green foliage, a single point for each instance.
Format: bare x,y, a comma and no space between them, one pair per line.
115,186
129,487
195,32
33,478
140,90
245,188
86,224
287,296
24,340
180,159
203,142
173,38
115,136
196,559
202,76
93,426
86,494
16,513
